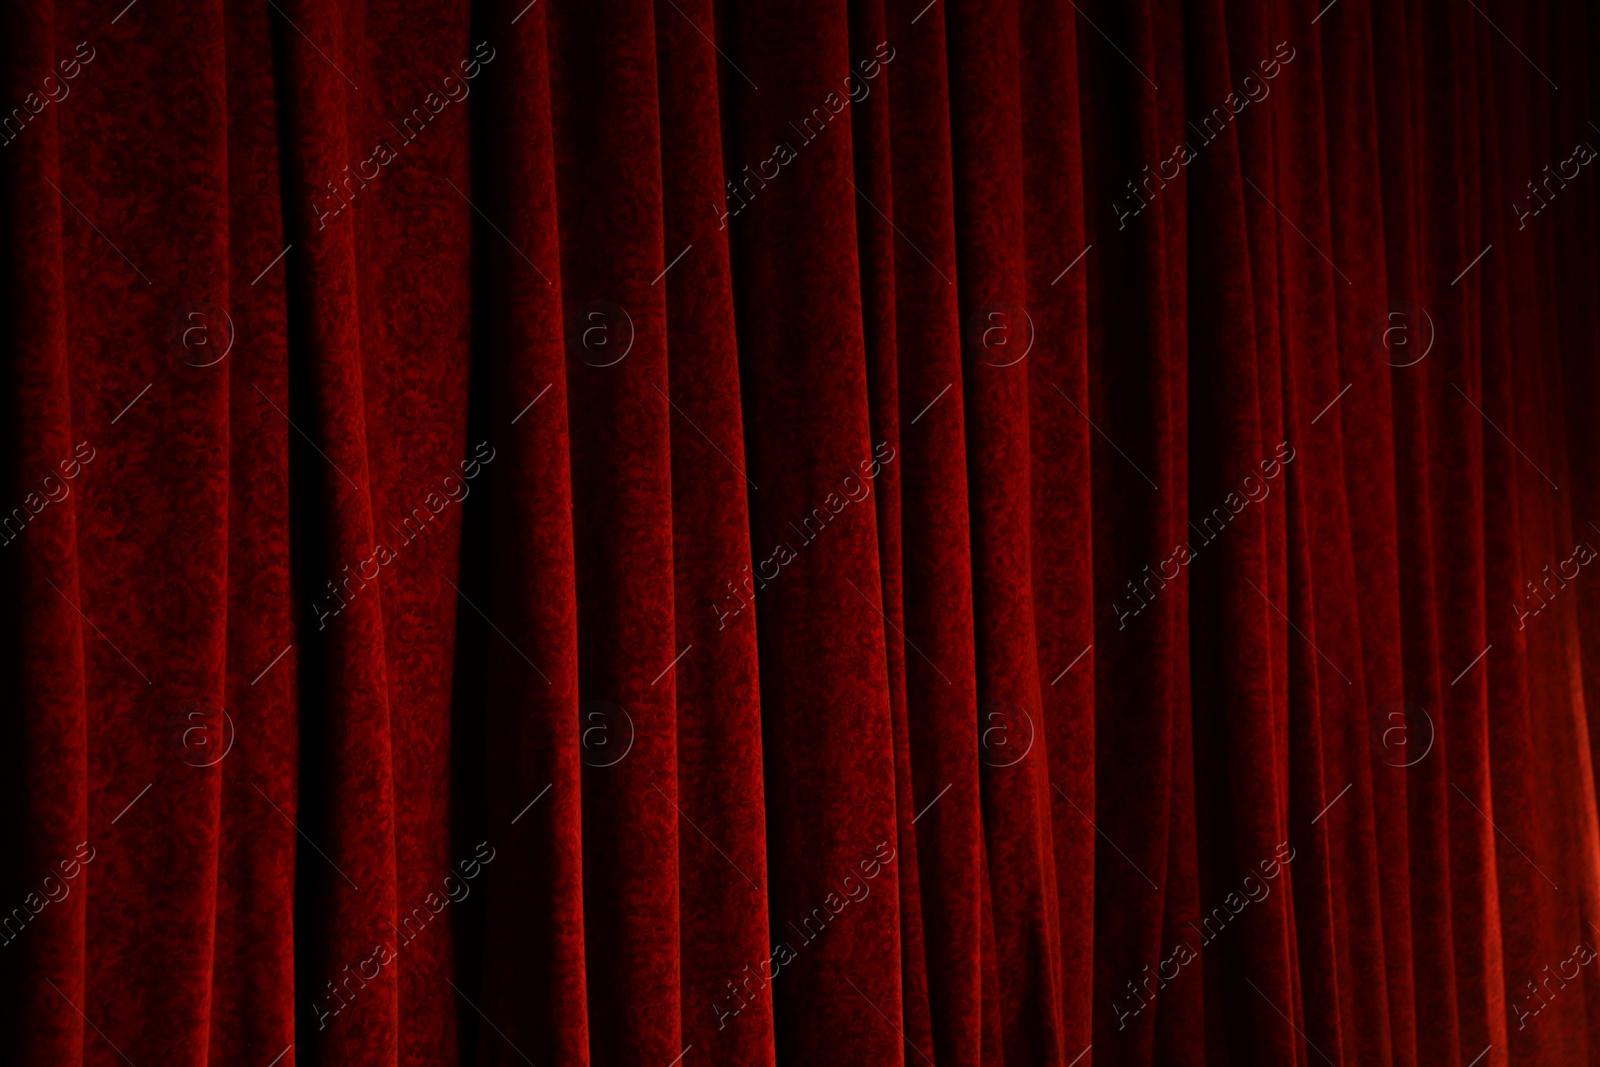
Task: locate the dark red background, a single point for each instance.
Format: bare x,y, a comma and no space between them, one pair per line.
918,681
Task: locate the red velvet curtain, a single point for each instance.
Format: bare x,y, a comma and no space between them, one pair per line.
899,531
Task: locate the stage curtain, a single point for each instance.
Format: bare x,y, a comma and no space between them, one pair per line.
656,532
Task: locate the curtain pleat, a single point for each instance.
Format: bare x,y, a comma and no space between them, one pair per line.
886,532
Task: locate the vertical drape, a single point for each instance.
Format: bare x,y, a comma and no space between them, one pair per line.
880,531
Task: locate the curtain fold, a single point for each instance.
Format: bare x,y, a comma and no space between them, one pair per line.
882,531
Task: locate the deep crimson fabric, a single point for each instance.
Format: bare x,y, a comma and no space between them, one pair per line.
890,532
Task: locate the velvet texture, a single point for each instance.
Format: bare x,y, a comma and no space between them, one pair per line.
1026,533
